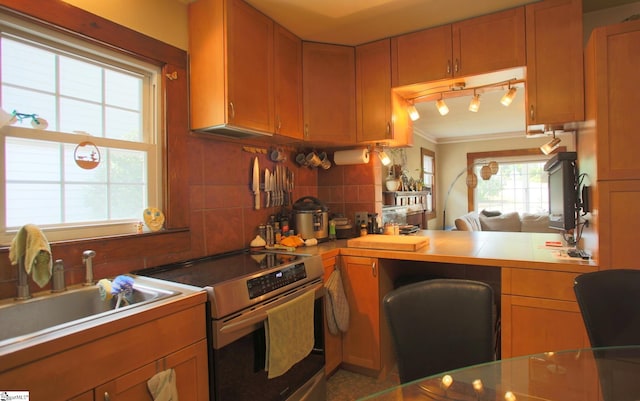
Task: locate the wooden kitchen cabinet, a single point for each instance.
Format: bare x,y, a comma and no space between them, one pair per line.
381,114
119,357
288,83
190,366
332,342
474,46
361,343
231,66
329,91
555,88
539,312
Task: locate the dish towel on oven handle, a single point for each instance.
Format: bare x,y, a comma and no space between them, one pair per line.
336,306
289,334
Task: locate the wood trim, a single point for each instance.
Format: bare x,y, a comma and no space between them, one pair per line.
58,15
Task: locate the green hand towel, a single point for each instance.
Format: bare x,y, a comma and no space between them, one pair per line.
32,246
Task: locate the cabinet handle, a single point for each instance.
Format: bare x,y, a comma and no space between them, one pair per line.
232,110
388,130
457,66
448,67
373,269
532,113
306,131
279,124
107,397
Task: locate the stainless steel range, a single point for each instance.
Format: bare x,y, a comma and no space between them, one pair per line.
242,286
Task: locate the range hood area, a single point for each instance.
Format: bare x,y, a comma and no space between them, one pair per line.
232,131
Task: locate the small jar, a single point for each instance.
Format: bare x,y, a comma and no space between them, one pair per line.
363,230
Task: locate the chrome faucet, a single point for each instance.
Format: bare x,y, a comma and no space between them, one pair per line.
87,257
23,285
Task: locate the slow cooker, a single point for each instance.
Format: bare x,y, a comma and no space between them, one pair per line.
311,218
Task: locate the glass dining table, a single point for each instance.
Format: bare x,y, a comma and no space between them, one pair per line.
590,374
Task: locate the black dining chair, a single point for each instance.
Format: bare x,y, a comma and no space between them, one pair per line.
609,302
439,325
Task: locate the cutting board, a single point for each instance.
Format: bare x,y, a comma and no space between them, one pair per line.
389,242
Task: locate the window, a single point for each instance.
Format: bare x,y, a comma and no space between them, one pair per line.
428,164
518,186
100,106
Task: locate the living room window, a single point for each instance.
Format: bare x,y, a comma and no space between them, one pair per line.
520,185
95,101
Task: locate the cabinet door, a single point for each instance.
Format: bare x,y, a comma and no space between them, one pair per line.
614,59
329,89
617,223
191,370
555,88
332,342
421,56
361,343
288,83
373,90
539,312
489,43
249,67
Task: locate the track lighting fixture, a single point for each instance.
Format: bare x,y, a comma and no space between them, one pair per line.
384,158
550,146
413,112
474,105
508,97
442,107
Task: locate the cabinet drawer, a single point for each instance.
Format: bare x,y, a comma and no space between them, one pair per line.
539,283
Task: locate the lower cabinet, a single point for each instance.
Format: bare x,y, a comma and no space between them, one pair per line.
190,366
119,359
539,312
332,342
361,343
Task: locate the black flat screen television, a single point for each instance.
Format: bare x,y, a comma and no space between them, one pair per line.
562,190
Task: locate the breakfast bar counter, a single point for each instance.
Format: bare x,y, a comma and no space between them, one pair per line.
532,282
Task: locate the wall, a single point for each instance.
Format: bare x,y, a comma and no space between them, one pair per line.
608,16
165,20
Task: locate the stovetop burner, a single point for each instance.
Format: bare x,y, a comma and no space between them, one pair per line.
212,270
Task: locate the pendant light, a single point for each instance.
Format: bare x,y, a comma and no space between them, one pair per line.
508,97
474,105
442,107
413,112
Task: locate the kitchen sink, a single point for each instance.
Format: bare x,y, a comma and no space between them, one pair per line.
53,311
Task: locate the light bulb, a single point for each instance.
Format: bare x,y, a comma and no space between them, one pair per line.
413,113
550,146
442,107
446,381
474,105
508,97
384,159
509,396
477,385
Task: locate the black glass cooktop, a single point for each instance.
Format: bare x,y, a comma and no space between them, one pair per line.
216,269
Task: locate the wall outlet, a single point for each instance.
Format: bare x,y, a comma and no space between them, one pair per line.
361,217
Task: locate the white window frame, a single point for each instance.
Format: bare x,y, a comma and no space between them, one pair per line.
502,161
152,133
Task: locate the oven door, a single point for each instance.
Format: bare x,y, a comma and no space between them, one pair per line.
239,357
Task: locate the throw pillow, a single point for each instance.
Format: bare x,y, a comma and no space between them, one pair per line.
505,222
491,213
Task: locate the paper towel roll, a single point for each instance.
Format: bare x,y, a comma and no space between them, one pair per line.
355,156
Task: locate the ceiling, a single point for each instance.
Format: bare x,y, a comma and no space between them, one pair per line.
353,22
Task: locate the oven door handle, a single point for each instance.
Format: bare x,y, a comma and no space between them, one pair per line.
259,314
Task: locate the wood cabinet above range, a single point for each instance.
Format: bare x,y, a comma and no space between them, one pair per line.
474,46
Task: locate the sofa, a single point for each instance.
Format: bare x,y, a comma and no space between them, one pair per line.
497,221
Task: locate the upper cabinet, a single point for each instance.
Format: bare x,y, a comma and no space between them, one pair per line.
475,46
555,89
237,84
288,83
329,92
381,114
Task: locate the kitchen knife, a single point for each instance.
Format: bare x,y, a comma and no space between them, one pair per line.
267,178
256,182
